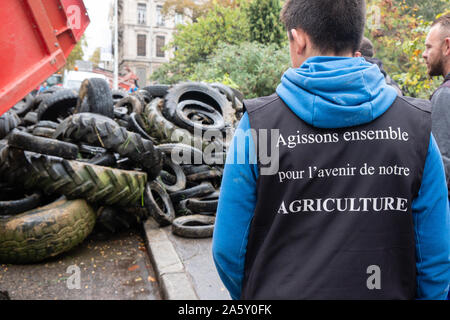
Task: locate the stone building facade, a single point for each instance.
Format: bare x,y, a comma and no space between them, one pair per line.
143,33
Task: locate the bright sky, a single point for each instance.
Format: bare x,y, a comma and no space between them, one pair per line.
98,33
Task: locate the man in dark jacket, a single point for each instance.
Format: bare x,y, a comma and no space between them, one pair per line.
334,187
437,57
367,51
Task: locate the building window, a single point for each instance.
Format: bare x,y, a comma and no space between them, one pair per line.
179,18
159,16
160,43
141,45
142,13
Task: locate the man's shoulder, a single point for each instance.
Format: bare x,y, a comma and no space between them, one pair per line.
416,103
252,105
441,94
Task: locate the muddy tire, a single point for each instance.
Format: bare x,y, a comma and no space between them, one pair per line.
74,179
194,226
158,203
29,142
103,132
58,106
8,121
99,97
45,232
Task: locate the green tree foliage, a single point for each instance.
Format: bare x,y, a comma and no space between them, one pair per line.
399,41
253,68
264,22
95,57
194,42
195,9
76,54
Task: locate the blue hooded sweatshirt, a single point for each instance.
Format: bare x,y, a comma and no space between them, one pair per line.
332,92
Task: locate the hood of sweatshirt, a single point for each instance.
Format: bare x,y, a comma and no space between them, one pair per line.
336,92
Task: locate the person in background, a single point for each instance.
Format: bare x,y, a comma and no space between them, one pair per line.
290,223
43,87
437,58
367,51
133,88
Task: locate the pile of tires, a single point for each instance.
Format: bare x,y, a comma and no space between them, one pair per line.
72,161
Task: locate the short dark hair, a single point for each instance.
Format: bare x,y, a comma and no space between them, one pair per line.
443,21
336,25
366,48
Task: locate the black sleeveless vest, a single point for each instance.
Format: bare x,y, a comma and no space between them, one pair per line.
335,220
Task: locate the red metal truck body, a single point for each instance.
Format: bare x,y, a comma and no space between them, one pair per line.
36,37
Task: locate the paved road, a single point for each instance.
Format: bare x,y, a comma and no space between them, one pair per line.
110,268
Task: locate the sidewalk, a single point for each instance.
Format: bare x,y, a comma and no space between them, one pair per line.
184,267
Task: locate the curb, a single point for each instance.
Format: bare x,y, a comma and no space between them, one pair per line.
173,279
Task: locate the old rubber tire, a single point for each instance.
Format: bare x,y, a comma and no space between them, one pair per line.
158,203
13,207
58,106
99,97
132,103
180,183
8,121
166,131
24,105
45,232
193,91
194,226
43,132
208,118
201,190
53,147
201,206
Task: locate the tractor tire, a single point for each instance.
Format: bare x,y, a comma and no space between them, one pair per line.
8,121
29,142
45,232
74,179
103,132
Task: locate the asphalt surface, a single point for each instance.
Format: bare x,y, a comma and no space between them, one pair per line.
103,267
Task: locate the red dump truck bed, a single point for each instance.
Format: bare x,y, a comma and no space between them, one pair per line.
36,37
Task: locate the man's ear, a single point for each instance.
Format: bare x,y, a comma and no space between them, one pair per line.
299,37
357,54
446,46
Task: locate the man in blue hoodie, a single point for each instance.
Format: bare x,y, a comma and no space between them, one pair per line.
334,187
